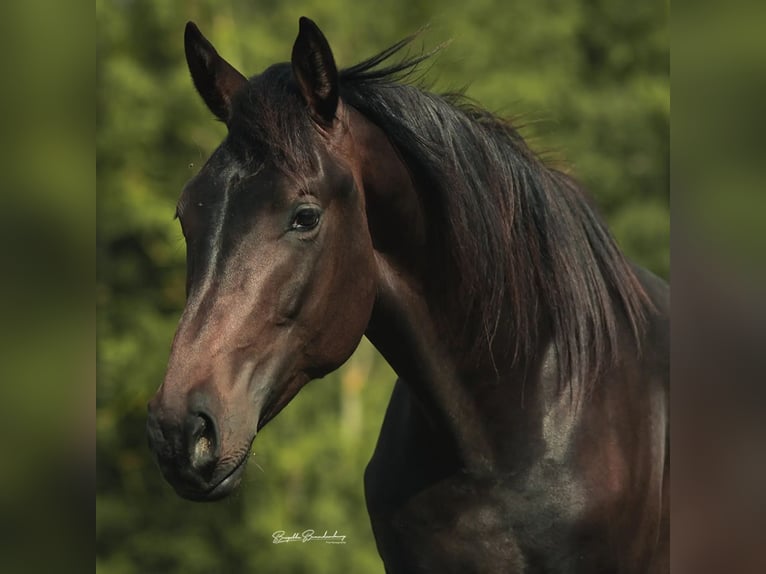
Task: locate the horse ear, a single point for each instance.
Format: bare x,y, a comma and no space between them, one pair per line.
215,79
314,70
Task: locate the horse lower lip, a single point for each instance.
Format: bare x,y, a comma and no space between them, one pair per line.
229,482
227,485
220,490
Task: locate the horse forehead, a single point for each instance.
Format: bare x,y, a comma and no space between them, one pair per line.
236,160
230,161
214,176
226,169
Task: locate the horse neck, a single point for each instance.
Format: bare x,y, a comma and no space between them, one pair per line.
418,341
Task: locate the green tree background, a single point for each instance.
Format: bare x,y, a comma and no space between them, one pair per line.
587,79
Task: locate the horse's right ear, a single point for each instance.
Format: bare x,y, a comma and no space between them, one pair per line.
215,79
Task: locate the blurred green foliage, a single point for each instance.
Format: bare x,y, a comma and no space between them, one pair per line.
47,382
587,79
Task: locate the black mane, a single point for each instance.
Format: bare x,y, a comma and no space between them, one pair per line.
517,232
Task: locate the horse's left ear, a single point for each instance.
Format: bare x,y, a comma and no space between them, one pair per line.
314,70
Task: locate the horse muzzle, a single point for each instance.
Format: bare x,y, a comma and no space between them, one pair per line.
189,451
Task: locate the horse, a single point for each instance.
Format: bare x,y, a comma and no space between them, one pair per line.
528,428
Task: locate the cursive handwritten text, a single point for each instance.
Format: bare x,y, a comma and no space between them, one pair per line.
280,537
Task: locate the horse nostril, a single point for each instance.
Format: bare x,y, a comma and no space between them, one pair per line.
202,441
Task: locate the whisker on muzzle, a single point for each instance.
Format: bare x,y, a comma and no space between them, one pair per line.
252,454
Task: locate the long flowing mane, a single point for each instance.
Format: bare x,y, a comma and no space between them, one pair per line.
517,231
520,241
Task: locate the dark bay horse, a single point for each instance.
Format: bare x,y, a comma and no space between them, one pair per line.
528,430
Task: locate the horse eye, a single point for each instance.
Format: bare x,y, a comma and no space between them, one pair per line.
305,218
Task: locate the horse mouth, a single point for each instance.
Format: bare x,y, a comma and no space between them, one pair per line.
222,488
